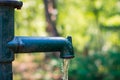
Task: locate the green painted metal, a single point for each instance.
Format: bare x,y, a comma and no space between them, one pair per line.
42,44
6,35
11,3
9,44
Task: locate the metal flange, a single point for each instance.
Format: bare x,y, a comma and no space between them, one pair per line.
11,3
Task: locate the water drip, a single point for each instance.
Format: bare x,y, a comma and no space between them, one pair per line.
65,68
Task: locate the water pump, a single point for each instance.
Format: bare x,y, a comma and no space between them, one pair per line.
10,44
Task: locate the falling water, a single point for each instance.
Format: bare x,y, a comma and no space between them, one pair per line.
65,69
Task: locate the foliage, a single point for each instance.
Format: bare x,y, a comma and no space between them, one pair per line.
30,20
96,67
94,26
82,20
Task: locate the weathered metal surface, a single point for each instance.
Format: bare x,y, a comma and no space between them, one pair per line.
6,71
6,35
42,44
11,3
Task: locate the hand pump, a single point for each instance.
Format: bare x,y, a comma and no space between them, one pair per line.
10,44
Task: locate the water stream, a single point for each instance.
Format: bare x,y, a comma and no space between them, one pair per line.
65,69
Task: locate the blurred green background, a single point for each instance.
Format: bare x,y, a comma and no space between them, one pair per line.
94,26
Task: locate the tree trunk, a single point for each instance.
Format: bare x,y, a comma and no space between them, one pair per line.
51,17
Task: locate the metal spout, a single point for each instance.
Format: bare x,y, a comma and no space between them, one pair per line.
67,51
42,44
